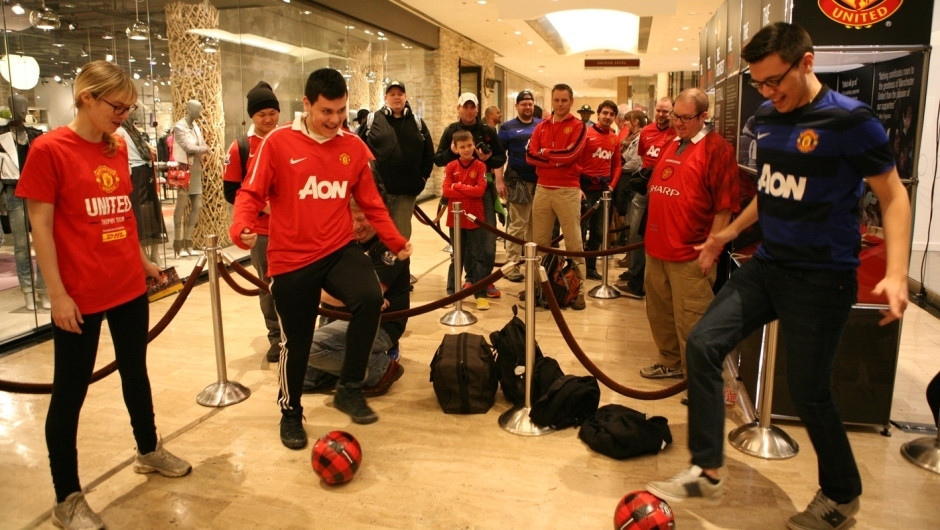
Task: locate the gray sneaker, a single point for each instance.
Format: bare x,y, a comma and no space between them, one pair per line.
687,484
161,461
514,275
660,371
349,399
74,513
823,513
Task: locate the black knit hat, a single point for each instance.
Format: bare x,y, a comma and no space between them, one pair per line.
262,97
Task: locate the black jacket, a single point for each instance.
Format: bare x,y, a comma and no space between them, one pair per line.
403,157
481,133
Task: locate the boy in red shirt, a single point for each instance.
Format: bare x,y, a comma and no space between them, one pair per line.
465,182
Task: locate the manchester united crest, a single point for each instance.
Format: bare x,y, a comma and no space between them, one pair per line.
345,159
567,130
859,14
807,141
107,178
667,173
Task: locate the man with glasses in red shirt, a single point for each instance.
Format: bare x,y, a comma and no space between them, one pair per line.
693,191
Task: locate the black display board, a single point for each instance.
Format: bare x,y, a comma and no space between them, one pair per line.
750,19
857,83
730,121
733,40
710,54
720,29
872,22
749,100
897,103
773,11
718,112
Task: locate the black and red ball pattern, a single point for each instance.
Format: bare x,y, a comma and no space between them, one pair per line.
336,457
641,510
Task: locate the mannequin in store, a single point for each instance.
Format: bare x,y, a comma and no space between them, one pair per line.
189,148
144,200
15,139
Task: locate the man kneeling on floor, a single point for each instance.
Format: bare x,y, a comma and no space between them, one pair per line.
329,340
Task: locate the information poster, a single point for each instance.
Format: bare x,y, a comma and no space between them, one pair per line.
897,104
857,83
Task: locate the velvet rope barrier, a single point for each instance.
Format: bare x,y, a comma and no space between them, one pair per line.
552,250
423,217
110,368
223,272
591,367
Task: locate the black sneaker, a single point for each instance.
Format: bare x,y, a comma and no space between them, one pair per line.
630,292
274,353
293,435
349,399
594,275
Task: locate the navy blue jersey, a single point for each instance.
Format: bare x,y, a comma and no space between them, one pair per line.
514,135
811,163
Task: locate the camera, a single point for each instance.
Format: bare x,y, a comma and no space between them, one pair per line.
484,148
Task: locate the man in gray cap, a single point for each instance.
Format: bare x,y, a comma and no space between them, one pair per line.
264,111
404,153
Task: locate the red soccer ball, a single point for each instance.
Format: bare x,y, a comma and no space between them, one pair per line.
336,457
641,510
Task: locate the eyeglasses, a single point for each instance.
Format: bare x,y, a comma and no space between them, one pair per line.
120,109
773,82
684,119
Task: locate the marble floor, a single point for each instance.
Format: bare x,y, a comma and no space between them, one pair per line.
422,468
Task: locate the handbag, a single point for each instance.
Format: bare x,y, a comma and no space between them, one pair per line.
178,177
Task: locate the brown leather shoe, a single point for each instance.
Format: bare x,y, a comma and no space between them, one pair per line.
392,373
578,303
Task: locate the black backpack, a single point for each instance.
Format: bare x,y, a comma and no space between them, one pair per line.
464,374
569,401
621,432
563,278
509,344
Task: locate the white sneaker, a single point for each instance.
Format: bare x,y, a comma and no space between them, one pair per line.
74,513
687,484
161,461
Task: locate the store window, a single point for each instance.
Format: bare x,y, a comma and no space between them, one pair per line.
267,40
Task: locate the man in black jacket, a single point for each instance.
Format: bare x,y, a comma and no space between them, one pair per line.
403,153
490,152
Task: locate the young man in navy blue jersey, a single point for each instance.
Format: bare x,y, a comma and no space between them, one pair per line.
814,149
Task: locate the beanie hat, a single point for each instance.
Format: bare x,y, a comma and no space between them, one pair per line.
262,97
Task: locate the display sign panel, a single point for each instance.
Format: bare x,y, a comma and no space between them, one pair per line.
865,22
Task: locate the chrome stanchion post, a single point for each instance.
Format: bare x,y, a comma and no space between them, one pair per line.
223,392
604,290
760,438
457,316
516,420
924,452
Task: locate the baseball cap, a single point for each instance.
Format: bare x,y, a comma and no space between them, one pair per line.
395,84
586,108
467,96
361,115
525,94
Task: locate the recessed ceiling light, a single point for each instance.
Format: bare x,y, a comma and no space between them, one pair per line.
529,43
517,32
481,2
680,39
675,49
685,28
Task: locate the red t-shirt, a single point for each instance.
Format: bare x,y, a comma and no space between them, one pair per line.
233,173
309,185
94,229
601,156
466,184
685,193
652,141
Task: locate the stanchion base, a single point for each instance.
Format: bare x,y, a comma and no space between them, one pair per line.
458,317
448,249
517,421
223,394
768,442
923,452
604,291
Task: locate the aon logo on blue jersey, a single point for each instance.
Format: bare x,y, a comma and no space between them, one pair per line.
323,189
777,184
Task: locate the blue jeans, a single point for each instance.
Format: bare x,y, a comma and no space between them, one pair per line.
16,209
259,260
813,307
473,255
328,351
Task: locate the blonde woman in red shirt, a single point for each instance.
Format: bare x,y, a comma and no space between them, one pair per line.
77,188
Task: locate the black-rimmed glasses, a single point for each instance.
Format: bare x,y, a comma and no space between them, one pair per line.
120,109
684,119
773,82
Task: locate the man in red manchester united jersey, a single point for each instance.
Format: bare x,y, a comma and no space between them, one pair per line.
693,191
308,171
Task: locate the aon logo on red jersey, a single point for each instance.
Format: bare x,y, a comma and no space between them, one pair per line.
603,154
652,152
323,189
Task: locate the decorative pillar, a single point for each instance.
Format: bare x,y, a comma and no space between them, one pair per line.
198,75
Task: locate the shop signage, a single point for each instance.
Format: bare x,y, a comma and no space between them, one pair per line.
611,63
